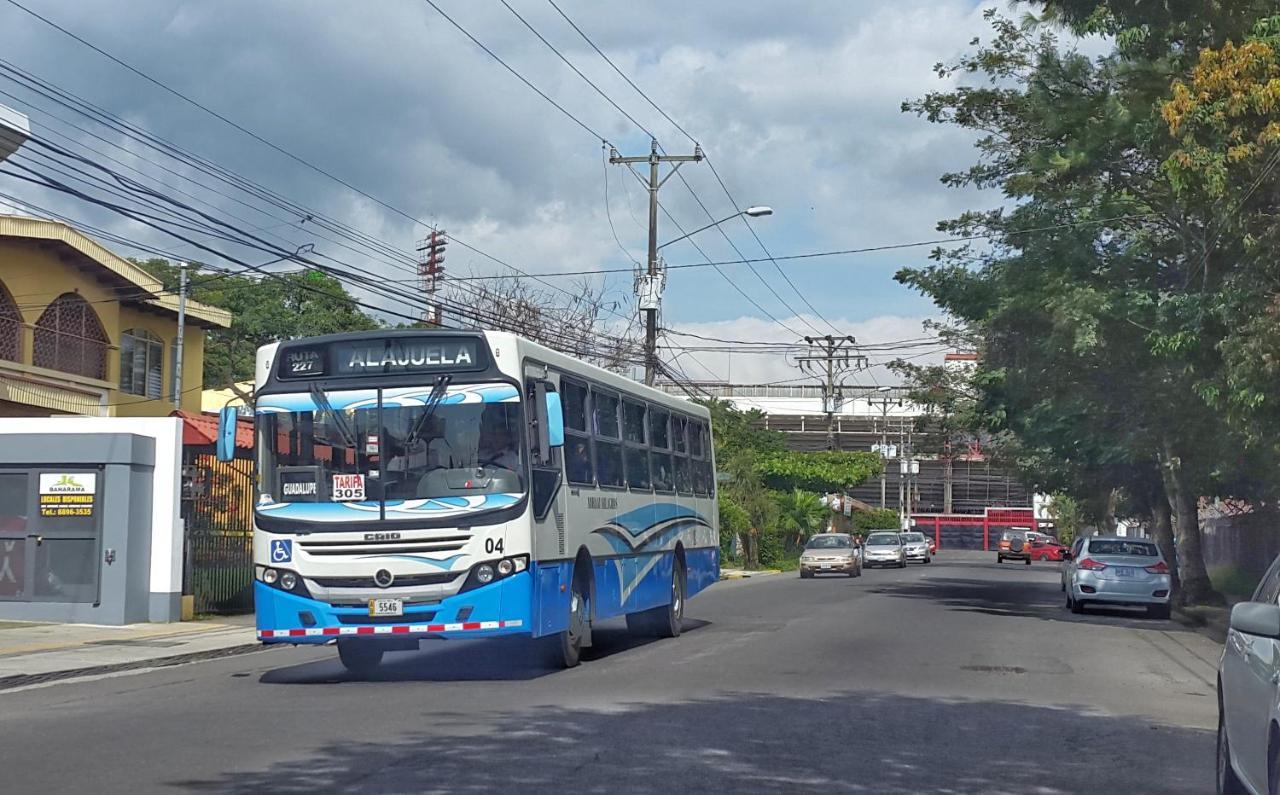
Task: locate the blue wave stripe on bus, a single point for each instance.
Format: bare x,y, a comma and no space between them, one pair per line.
641,519
663,533
442,563
401,509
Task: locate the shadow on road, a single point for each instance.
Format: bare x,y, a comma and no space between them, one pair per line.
748,742
492,659
1019,598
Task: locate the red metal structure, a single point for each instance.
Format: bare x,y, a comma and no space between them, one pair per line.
973,531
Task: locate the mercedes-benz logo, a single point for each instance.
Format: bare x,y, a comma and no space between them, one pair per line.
384,578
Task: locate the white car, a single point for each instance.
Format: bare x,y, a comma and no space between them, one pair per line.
1115,570
1249,694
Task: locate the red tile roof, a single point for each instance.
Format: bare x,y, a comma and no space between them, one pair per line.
202,429
960,357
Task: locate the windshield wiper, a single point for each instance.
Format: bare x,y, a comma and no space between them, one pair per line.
433,402
339,421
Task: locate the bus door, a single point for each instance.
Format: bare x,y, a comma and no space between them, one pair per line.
547,500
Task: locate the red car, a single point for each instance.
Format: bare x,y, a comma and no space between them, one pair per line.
1046,549
933,545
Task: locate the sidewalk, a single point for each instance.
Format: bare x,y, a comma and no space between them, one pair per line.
31,653
742,574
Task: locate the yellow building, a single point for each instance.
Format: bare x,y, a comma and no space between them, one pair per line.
84,331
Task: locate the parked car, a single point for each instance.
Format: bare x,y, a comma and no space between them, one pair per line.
915,547
1045,548
1249,693
884,549
831,553
1116,570
1014,545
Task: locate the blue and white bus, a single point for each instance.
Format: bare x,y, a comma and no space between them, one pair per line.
452,484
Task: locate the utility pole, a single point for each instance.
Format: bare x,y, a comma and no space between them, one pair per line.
177,342
650,284
829,358
883,401
430,272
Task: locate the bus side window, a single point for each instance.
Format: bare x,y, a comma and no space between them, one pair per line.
660,456
607,438
680,443
635,447
697,447
577,442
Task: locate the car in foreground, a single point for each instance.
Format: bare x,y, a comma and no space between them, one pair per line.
915,547
884,549
1115,570
1014,545
831,553
1249,693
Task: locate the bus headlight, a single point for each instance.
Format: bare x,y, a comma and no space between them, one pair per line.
484,574
269,576
288,580
505,566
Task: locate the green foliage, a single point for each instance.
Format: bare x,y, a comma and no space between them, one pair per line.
875,519
801,514
826,471
1068,517
773,549
286,307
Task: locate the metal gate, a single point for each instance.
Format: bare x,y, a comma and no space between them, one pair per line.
217,507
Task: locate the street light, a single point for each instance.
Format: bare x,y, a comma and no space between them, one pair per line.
757,211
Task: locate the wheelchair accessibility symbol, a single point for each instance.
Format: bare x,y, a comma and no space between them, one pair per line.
281,551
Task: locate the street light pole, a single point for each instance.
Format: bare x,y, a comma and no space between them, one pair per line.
177,342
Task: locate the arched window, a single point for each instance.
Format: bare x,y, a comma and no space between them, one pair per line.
10,327
69,337
141,354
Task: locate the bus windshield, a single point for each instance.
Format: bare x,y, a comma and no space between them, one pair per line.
372,454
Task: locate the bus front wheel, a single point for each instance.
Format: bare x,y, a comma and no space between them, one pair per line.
360,657
568,644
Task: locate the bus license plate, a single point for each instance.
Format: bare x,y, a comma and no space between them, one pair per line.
386,607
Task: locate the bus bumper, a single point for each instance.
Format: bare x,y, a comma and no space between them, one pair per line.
500,608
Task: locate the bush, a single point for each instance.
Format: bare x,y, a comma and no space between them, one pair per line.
1233,581
773,549
876,519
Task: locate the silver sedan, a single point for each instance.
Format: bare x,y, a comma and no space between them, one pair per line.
915,546
1114,570
884,549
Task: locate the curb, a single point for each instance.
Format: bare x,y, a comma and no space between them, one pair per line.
23,680
744,575
1212,628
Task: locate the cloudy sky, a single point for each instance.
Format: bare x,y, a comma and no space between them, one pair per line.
796,104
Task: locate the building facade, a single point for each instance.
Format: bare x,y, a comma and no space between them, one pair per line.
85,331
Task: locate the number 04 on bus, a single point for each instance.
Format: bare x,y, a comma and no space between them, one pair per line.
445,484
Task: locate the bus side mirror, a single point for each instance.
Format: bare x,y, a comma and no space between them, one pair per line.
555,420
226,447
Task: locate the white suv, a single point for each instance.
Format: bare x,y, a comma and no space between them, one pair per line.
1249,693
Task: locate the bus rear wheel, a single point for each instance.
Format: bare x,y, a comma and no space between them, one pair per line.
665,621
359,657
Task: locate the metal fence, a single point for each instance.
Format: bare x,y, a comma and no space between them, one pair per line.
217,507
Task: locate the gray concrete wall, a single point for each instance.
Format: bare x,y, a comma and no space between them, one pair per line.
123,504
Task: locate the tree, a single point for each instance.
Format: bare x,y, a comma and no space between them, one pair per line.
801,514
283,307
1090,316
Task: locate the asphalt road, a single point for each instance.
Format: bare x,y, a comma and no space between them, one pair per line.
962,676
